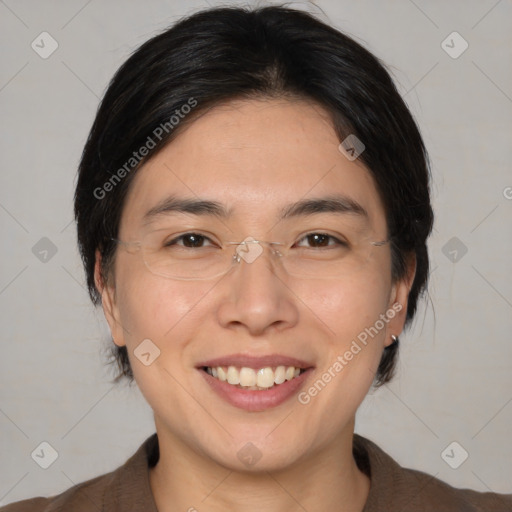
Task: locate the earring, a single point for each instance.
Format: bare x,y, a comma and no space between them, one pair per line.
395,340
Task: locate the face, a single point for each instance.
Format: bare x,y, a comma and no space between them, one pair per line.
255,158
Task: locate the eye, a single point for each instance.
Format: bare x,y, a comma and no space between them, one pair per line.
190,240
319,240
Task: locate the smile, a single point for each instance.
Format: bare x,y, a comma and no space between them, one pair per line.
254,379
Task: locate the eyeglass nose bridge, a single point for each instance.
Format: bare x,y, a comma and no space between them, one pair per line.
249,256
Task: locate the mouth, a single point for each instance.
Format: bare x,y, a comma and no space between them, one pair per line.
255,383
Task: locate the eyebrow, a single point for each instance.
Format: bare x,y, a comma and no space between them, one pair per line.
305,207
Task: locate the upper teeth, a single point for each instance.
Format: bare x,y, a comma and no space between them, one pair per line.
250,378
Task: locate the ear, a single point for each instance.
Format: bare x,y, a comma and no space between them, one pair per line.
398,300
108,302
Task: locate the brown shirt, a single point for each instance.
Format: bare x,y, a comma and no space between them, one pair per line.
392,488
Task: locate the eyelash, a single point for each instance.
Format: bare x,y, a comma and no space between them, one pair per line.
181,237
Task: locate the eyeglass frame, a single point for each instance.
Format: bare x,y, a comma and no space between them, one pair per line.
236,257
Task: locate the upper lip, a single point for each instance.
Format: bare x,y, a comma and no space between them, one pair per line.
255,362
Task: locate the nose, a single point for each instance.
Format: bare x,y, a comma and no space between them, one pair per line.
258,297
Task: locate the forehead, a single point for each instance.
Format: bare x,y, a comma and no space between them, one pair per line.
255,157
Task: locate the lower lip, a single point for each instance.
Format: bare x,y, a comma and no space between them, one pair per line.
254,400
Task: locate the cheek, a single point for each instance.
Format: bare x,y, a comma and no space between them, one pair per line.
352,348
352,313
348,307
150,306
159,310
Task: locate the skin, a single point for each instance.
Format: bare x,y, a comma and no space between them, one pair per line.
254,156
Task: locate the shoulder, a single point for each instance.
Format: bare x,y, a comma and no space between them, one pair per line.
122,489
427,493
32,505
80,497
393,487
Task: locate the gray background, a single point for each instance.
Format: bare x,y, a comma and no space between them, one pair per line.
454,381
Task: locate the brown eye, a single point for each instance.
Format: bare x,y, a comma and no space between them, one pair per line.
189,240
319,240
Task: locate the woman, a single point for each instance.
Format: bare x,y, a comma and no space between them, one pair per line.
253,208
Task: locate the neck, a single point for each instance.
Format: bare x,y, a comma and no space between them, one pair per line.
326,480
